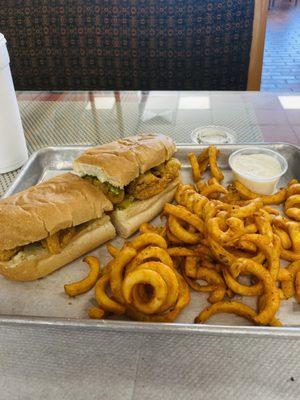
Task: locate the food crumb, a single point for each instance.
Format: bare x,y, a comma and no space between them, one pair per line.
70,303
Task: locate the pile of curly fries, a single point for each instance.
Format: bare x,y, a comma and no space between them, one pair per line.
212,236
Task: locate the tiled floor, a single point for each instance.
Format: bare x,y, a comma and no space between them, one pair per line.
281,70
278,120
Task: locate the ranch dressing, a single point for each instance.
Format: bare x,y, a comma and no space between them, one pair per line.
257,165
259,170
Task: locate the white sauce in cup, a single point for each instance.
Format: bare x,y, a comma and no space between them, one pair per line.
258,169
257,165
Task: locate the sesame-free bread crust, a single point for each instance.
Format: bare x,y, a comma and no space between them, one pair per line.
120,162
42,210
37,263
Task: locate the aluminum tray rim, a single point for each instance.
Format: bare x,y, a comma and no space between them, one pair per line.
46,149
148,327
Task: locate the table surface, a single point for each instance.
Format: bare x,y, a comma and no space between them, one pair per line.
97,117
48,362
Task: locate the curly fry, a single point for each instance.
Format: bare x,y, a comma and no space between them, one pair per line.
151,252
185,215
271,210
212,188
52,243
294,232
167,274
280,222
291,206
251,228
173,239
222,255
248,210
96,313
234,231
203,165
291,202
180,252
190,266
202,250
67,235
151,278
217,295
113,251
107,268
118,266
288,286
200,185
270,250
297,286
204,155
246,246
182,301
246,193
264,224
284,275
238,288
284,237
259,257
289,255
209,275
104,301
213,208
181,233
232,195
215,170
197,287
229,307
146,239
292,182
261,303
243,265
215,266
189,198
195,166
86,284
160,230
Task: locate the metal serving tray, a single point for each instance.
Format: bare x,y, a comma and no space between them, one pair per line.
44,301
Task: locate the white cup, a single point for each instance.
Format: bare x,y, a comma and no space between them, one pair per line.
258,184
13,150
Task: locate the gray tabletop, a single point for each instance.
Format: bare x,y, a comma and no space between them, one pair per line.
98,117
47,363
40,361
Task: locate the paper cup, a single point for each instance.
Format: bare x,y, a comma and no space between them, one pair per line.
13,151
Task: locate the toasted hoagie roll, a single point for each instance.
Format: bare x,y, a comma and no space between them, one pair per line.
138,174
51,224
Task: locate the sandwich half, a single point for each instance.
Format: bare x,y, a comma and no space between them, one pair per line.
51,224
138,174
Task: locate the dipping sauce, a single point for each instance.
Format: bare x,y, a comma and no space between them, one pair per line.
258,169
257,165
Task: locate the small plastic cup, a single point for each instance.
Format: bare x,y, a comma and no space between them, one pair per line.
258,184
212,134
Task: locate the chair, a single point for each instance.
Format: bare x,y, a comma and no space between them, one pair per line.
135,45
272,3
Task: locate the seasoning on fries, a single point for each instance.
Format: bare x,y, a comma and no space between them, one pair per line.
212,236
86,284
